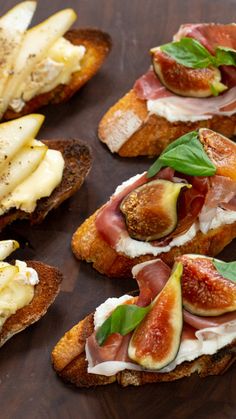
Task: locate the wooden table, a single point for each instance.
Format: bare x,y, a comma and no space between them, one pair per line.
29,386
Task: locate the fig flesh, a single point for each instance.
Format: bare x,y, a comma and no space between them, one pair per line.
221,151
185,81
205,292
151,209
155,342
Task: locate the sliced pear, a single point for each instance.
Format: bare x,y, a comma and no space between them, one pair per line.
151,209
7,247
21,166
33,49
12,26
6,275
15,134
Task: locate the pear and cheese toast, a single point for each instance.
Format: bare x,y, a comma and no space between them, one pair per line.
37,176
44,295
106,238
175,97
82,358
47,63
98,45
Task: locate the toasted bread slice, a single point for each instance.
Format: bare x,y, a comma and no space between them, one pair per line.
78,159
88,244
98,45
44,295
129,123
69,361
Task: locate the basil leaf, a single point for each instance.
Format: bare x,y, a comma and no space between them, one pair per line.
189,53
225,56
123,320
227,270
186,155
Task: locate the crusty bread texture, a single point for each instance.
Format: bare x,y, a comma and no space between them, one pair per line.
69,361
44,295
98,45
88,244
78,160
140,133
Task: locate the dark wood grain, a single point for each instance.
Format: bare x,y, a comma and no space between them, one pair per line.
29,386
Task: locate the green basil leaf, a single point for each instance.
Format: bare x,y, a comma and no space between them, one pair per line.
123,320
226,269
225,56
186,155
189,53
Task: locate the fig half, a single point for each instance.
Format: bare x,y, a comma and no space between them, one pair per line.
151,209
205,292
155,342
185,81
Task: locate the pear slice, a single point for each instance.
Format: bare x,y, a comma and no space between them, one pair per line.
21,166
7,247
6,274
33,49
12,28
17,133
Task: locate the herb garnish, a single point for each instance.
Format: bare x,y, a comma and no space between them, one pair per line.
186,155
226,269
123,320
191,53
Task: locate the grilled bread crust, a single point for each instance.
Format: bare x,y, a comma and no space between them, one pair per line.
69,361
98,45
153,133
87,244
44,295
78,161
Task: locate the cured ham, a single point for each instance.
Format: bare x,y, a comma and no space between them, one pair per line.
151,277
224,104
210,35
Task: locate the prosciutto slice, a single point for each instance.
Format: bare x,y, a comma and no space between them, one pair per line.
210,35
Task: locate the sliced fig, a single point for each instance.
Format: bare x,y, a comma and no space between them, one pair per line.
221,151
155,342
185,81
205,292
151,209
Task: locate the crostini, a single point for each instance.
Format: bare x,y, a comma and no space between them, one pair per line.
184,203
181,322
47,63
36,176
27,289
191,84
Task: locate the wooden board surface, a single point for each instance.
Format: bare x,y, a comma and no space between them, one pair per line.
28,385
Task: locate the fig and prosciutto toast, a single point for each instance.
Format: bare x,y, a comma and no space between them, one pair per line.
185,203
175,97
152,338
48,63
